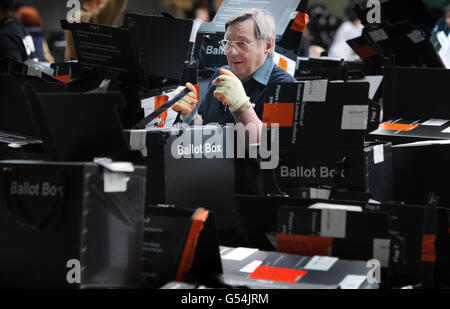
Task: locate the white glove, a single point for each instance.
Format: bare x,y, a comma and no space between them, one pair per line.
231,92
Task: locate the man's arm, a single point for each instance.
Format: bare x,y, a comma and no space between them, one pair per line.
107,13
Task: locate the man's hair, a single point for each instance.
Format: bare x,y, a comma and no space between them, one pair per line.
264,24
6,5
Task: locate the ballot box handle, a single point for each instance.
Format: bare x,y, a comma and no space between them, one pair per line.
16,209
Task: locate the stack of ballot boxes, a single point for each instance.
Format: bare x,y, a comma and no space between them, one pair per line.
406,244
417,123
321,140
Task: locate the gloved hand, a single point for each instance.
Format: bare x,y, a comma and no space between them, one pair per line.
231,92
187,104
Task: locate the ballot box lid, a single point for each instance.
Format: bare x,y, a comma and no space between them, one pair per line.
107,50
15,114
407,44
78,126
415,93
163,42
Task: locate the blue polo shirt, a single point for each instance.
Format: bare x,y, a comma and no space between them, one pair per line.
213,111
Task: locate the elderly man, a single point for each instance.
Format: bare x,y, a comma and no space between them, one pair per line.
105,12
236,92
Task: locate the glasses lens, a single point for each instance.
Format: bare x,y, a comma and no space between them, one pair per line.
224,44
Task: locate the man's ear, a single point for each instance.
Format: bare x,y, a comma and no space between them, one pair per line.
269,45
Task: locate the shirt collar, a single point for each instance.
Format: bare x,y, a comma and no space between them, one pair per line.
263,73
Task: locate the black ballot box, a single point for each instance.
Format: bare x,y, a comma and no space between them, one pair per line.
420,172
70,225
190,167
322,125
361,170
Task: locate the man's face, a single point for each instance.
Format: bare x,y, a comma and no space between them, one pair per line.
447,18
244,63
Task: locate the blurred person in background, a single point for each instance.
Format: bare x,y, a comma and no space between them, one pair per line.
350,29
322,26
32,22
15,42
443,24
201,15
105,12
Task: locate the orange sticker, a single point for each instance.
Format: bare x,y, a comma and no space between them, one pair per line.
428,250
304,245
197,87
397,126
160,100
191,243
281,113
366,52
300,22
277,274
63,78
283,64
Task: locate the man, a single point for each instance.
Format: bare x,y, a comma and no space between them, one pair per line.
105,12
236,94
15,43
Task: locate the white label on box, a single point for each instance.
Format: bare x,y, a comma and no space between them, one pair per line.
333,223
239,254
251,267
381,250
352,282
378,35
322,263
118,167
446,130
114,182
435,122
416,37
291,64
378,154
335,207
323,194
315,91
138,141
354,117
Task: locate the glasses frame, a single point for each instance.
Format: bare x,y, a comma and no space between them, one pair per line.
247,45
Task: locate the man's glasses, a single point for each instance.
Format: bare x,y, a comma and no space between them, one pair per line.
240,46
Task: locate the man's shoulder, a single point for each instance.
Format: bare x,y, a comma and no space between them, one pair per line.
280,76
